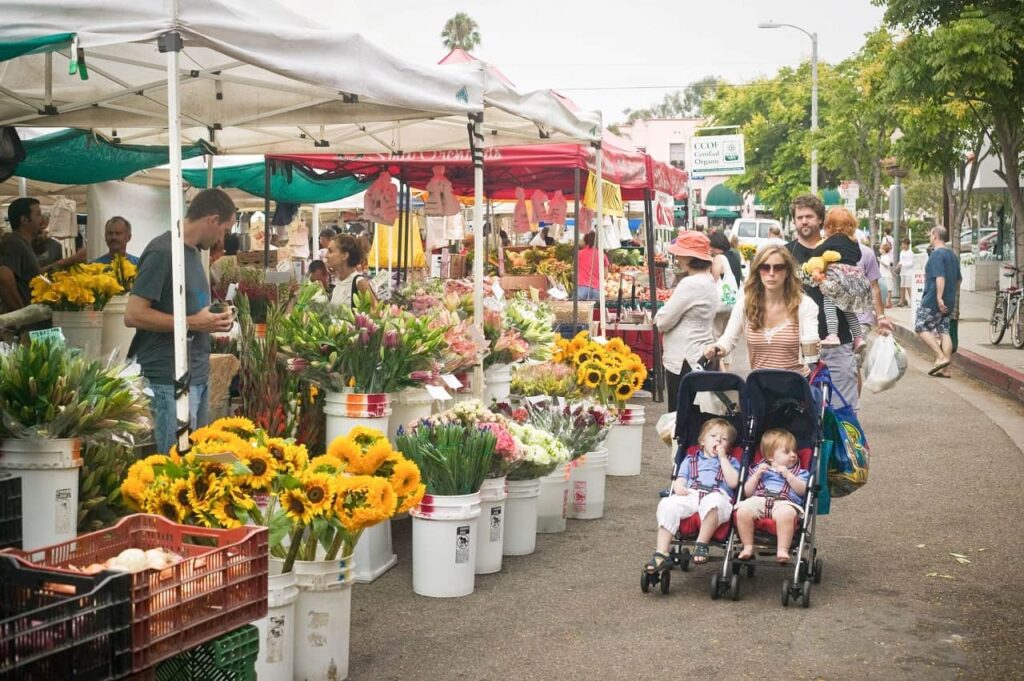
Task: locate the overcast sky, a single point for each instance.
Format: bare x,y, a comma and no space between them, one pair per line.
624,50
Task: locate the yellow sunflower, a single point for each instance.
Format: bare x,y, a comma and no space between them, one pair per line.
380,495
179,494
296,506
201,490
364,435
319,490
288,457
214,434
133,490
223,509
624,391
262,469
236,425
158,501
141,471
371,459
345,449
612,375
410,501
590,374
616,345
405,477
582,356
326,463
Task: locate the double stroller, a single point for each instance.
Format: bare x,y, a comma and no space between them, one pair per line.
767,399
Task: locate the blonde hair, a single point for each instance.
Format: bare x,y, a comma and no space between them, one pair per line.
775,439
718,423
840,221
753,289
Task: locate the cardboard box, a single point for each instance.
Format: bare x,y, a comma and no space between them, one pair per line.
456,266
255,259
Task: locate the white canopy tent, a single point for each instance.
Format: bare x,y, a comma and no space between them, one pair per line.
251,76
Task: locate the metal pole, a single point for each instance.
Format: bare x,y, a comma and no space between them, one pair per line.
814,113
602,302
576,252
653,290
267,165
408,230
476,145
399,232
171,45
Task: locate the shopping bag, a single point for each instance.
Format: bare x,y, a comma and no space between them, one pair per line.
666,428
727,288
851,455
885,364
824,458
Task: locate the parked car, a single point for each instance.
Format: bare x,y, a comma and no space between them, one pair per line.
754,230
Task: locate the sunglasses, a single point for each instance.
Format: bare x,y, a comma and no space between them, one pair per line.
767,267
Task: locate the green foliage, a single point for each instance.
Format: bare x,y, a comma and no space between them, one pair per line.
453,459
103,468
686,103
460,32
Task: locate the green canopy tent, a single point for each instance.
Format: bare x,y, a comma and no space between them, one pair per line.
296,186
722,197
723,214
76,157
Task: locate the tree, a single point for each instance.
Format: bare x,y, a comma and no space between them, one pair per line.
973,53
685,103
460,32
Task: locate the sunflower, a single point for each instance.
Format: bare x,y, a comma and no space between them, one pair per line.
615,345
223,509
364,435
179,494
405,478
590,374
161,503
201,489
624,391
612,375
141,471
296,506
133,490
288,457
236,425
582,356
319,490
344,449
375,455
262,469
214,434
156,460
410,501
326,463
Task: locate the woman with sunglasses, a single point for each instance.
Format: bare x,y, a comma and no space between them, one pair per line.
779,322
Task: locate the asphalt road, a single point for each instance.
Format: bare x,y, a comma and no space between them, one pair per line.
894,604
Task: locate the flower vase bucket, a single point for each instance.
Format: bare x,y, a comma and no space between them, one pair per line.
276,661
490,526
586,486
625,442
444,544
553,502
323,616
412,404
116,336
497,383
374,554
521,518
82,329
49,488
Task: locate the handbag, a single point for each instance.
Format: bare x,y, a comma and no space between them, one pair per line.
850,460
726,288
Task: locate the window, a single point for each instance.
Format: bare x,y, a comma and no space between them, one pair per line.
677,155
762,229
746,228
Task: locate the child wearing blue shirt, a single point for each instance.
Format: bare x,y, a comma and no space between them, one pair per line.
704,484
774,489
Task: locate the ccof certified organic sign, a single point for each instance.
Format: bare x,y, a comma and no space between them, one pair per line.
717,155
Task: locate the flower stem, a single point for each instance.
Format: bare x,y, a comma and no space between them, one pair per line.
293,549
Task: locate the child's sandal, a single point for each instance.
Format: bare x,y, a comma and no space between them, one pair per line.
659,561
700,553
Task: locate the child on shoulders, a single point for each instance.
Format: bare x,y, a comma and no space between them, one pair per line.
704,483
775,489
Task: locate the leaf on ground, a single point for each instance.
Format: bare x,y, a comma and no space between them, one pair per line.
920,546
963,561
958,555
980,550
936,574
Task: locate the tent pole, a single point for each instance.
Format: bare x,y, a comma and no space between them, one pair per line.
408,229
476,146
576,252
209,170
171,44
653,290
267,165
400,233
600,242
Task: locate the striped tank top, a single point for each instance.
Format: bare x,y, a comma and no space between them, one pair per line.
776,348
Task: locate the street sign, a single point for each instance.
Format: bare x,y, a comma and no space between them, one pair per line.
849,190
716,155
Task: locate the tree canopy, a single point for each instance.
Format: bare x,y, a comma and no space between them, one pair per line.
460,32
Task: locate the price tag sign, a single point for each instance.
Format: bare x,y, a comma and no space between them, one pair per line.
438,393
498,292
451,381
43,335
232,292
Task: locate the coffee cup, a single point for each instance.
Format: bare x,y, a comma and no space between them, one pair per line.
220,307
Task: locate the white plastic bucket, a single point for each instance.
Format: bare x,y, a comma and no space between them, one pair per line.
586,486
521,517
276,661
82,329
345,411
49,488
323,613
625,442
116,336
374,554
497,383
444,545
412,404
490,526
553,502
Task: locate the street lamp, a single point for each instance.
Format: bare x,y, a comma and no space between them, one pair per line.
814,95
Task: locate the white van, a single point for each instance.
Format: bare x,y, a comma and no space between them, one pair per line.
754,230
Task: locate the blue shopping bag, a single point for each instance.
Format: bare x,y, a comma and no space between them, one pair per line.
851,456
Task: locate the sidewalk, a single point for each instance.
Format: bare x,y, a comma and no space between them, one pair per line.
1001,367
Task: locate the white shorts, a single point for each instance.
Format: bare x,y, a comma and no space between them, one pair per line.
674,509
759,506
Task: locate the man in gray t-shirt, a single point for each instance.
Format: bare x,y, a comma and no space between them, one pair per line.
150,310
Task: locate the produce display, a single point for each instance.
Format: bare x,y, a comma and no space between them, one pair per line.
133,560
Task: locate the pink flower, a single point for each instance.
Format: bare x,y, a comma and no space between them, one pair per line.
364,337
391,338
296,364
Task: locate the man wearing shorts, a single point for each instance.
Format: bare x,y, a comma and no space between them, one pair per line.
941,281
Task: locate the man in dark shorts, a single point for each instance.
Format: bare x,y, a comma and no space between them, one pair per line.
941,282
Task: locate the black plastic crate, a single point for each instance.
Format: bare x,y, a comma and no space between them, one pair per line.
56,625
10,512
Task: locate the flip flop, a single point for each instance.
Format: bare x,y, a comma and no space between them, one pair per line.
938,367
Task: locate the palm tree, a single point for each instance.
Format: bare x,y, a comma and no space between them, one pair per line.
461,32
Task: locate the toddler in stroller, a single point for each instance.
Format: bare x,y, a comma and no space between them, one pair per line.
704,484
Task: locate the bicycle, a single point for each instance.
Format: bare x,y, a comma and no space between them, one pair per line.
1007,313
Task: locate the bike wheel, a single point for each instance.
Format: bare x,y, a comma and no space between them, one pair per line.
997,325
1017,326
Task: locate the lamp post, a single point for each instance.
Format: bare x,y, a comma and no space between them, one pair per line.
814,95
893,169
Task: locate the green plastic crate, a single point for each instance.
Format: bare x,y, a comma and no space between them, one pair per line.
232,657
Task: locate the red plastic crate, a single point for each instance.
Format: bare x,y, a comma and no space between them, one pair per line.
220,586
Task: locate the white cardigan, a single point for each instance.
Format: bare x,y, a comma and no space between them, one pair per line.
807,317
686,319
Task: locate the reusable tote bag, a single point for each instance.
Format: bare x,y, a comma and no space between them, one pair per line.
848,469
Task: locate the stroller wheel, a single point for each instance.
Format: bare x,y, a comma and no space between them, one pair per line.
819,565
715,580
805,594
750,571
645,581
666,579
734,587
785,592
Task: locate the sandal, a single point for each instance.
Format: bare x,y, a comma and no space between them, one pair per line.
659,561
700,553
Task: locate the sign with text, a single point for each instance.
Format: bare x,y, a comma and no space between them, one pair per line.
716,155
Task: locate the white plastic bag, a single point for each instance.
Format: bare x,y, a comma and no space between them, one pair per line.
666,428
885,364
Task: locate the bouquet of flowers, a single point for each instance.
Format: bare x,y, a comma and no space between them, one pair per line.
124,271
507,345
542,452
535,322
548,378
580,427
461,350
420,297
235,473
508,452
83,287
454,459
608,372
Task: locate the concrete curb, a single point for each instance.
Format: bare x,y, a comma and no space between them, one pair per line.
1002,378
